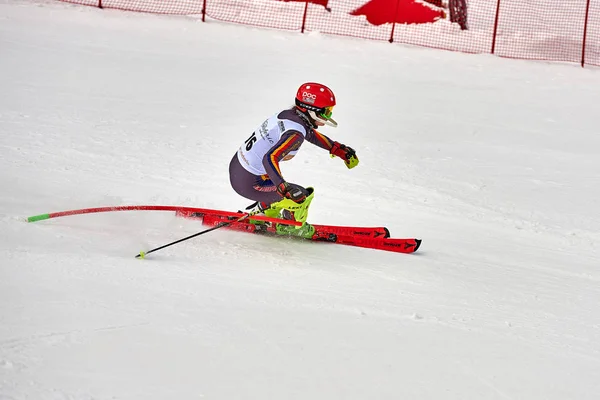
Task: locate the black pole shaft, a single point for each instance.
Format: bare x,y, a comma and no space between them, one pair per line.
247,215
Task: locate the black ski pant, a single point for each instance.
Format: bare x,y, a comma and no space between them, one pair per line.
253,187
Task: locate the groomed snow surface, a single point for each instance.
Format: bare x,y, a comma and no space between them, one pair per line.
494,163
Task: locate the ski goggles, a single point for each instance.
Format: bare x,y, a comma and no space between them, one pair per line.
326,113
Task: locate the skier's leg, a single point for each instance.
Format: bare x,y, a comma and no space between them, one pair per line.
250,186
262,190
253,187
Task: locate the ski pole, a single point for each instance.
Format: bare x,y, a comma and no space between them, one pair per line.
142,254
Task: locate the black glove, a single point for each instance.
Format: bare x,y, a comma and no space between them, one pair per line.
345,153
291,191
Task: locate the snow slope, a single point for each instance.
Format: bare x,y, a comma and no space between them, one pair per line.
492,162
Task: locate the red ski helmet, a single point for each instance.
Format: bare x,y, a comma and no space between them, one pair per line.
317,101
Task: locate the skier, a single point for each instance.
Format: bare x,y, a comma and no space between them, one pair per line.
254,170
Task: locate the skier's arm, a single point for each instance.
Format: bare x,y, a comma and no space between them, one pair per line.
320,140
342,151
289,142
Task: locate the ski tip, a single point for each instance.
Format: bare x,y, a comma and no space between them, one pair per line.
418,242
387,232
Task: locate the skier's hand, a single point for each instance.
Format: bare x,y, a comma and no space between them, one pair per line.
291,191
345,153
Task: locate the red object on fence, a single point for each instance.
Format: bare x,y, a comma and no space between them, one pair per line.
407,12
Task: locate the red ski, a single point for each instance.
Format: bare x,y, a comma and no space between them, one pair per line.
368,237
388,244
325,233
224,216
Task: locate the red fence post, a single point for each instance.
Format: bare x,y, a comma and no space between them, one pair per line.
495,27
304,17
204,11
99,3
394,22
587,15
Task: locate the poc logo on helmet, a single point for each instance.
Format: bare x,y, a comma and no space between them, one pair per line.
308,97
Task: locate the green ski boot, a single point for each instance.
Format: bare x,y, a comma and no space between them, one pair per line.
299,211
306,230
263,209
